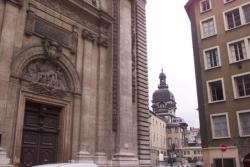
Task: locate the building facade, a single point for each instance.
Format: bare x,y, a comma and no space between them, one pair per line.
158,140
192,150
73,82
221,45
164,110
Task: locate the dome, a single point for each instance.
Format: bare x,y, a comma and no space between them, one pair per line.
162,95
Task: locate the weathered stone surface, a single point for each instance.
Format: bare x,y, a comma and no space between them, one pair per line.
79,56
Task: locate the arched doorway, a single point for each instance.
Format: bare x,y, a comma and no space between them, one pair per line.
48,89
246,161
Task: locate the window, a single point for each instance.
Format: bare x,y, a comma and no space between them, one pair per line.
215,89
170,142
176,129
220,125
169,131
205,5
241,85
233,19
176,142
161,105
227,1
228,162
208,27
246,11
238,50
244,122
212,58
237,16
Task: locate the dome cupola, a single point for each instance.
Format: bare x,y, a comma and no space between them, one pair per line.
163,100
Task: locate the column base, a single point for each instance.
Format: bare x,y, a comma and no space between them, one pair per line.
101,159
4,160
124,159
85,157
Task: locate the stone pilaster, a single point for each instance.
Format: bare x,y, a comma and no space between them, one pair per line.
89,97
102,112
7,38
125,152
76,124
142,84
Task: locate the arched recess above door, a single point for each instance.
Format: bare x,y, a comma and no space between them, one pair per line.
45,66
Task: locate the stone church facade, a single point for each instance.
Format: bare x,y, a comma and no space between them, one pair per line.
73,82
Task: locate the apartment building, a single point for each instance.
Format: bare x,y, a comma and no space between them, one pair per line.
221,45
158,140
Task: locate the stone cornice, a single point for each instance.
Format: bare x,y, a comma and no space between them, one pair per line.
80,11
104,18
18,3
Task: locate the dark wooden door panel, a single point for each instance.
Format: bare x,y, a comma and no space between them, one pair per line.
47,155
40,134
30,157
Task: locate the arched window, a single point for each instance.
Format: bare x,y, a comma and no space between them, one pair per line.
161,105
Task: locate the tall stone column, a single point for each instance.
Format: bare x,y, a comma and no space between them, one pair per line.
7,39
89,97
125,153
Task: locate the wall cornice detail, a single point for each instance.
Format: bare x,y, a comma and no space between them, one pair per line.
18,3
88,35
78,11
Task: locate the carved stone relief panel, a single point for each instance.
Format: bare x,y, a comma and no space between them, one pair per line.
46,77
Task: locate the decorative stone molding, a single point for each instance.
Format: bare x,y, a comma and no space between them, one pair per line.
142,84
115,82
30,22
74,40
88,35
103,41
27,58
37,26
52,49
19,3
46,77
92,2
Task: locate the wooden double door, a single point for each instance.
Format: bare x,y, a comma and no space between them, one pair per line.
40,134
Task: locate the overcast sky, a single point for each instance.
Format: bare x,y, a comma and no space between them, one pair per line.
170,48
